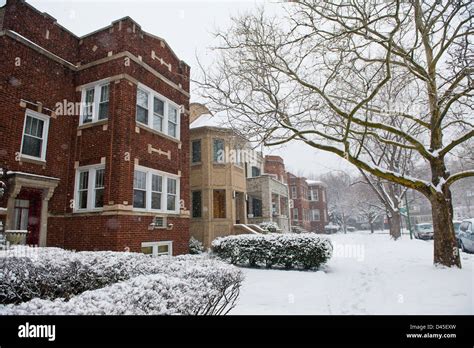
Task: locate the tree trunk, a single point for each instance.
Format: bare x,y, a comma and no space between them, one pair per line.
395,225
446,250
371,227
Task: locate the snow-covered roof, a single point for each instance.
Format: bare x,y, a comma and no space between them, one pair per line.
315,182
210,120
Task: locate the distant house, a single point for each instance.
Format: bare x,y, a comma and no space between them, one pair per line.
268,198
309,210
230,191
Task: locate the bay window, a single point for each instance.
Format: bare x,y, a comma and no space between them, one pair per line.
155,191
157,112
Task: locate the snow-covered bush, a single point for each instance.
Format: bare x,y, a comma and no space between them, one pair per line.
195,246
274,250
269,226
50,273
191,286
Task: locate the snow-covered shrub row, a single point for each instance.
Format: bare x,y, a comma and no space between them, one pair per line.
188,285
269,226
50,273
274,250
195,246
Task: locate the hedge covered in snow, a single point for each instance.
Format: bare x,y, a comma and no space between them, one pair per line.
127,283
274,250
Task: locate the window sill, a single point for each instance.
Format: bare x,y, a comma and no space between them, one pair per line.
93,124
28,159
196,163
155,212
151,130
88,211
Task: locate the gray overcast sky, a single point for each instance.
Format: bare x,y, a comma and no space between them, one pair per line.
187,27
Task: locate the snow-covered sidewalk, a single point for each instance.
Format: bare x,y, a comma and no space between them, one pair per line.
369,274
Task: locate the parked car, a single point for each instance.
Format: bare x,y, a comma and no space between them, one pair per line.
423,231
330,229
466,235
456,225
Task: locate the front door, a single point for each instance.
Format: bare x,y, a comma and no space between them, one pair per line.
27,214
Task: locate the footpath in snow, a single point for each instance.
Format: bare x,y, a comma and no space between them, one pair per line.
368,274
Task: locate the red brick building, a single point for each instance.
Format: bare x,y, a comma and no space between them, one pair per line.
309,203
318,210
94,134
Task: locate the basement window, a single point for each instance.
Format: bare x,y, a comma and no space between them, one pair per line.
157,112
157,248
95,103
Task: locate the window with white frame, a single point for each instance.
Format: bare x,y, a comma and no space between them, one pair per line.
293,192
89,188
155,191
95,103
315,215
313,194
157,248
295,213
157,112
35,135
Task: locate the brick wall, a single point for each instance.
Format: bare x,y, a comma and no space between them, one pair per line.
31,74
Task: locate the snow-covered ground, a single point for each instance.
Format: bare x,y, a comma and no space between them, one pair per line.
368,274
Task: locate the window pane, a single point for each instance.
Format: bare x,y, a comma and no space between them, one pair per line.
171,186
104,93
104,111
173,114
139,180
142,106
155,200
196,151
88,107
142,115
31,146
255,171
139,199
99,198
83,199
99,178
163,249
197,204
172,129
171,205
142,99
34,127
156,183
83,180
28,125
158,106
157,122
147,250
218,150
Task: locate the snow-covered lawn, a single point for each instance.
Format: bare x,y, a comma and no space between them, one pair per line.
369,274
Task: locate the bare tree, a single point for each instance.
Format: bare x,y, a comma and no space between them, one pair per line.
369,206
340,197
318,74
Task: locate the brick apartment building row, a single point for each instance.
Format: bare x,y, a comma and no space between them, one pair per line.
104,177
